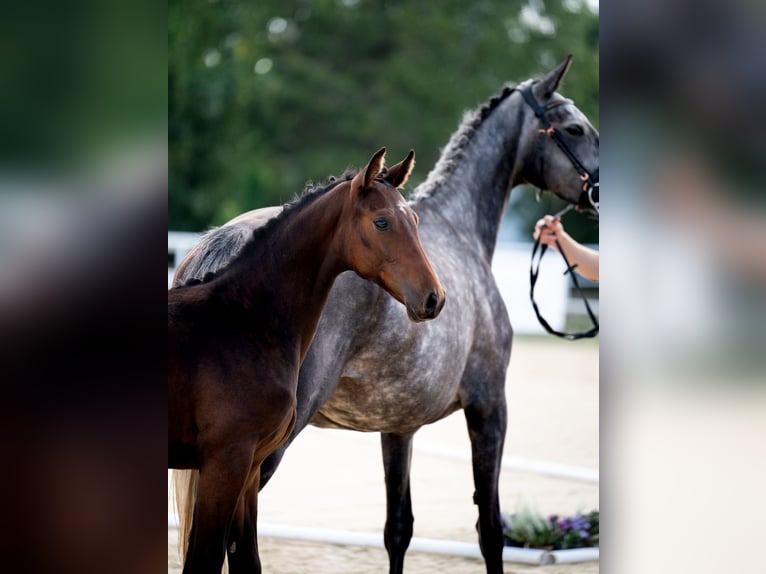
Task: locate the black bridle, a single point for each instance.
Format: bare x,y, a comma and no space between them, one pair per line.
588,198
590,187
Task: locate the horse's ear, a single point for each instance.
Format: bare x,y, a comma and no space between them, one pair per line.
366,176
544,89
397,174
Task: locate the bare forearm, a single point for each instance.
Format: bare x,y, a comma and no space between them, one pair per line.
585,258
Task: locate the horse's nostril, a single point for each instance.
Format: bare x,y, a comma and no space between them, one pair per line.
431,303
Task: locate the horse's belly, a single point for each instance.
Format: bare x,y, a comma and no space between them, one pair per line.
372,405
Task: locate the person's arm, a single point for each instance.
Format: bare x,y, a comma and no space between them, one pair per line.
586,259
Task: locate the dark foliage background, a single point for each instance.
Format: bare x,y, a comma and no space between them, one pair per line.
266,95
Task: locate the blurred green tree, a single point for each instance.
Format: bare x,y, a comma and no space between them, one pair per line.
266,95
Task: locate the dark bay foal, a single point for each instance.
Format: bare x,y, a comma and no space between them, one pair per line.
237,338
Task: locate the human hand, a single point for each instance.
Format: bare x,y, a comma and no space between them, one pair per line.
548,229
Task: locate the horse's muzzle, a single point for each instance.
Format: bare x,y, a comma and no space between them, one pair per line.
428,309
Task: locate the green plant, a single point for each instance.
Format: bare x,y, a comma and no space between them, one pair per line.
529,529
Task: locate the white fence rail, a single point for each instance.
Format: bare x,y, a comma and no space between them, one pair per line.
428,545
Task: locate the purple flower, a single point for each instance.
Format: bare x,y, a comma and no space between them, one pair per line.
580,523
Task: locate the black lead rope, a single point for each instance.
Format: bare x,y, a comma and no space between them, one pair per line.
534,271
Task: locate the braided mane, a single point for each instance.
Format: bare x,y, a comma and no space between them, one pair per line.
453,151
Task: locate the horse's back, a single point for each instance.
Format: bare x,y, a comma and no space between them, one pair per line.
215,250
255,218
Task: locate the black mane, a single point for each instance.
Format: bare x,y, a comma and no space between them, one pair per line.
487,107
310,194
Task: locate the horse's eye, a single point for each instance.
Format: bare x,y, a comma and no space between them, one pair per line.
575,130
381,224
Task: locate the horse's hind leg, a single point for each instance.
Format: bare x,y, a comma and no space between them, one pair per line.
242,549
486,428
397,455
221,481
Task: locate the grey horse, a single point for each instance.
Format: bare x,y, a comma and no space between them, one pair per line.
371,369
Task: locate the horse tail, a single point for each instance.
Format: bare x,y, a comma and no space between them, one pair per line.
213,252
185,485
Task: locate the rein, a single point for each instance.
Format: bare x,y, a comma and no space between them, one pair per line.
588,196
534,271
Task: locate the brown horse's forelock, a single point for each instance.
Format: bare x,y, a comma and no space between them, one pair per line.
221,245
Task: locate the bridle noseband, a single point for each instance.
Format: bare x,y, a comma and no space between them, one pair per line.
590,186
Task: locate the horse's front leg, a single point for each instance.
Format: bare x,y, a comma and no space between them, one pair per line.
486,428
221,481
242,549
397,455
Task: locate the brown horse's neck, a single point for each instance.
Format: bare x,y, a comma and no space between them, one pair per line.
283,279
